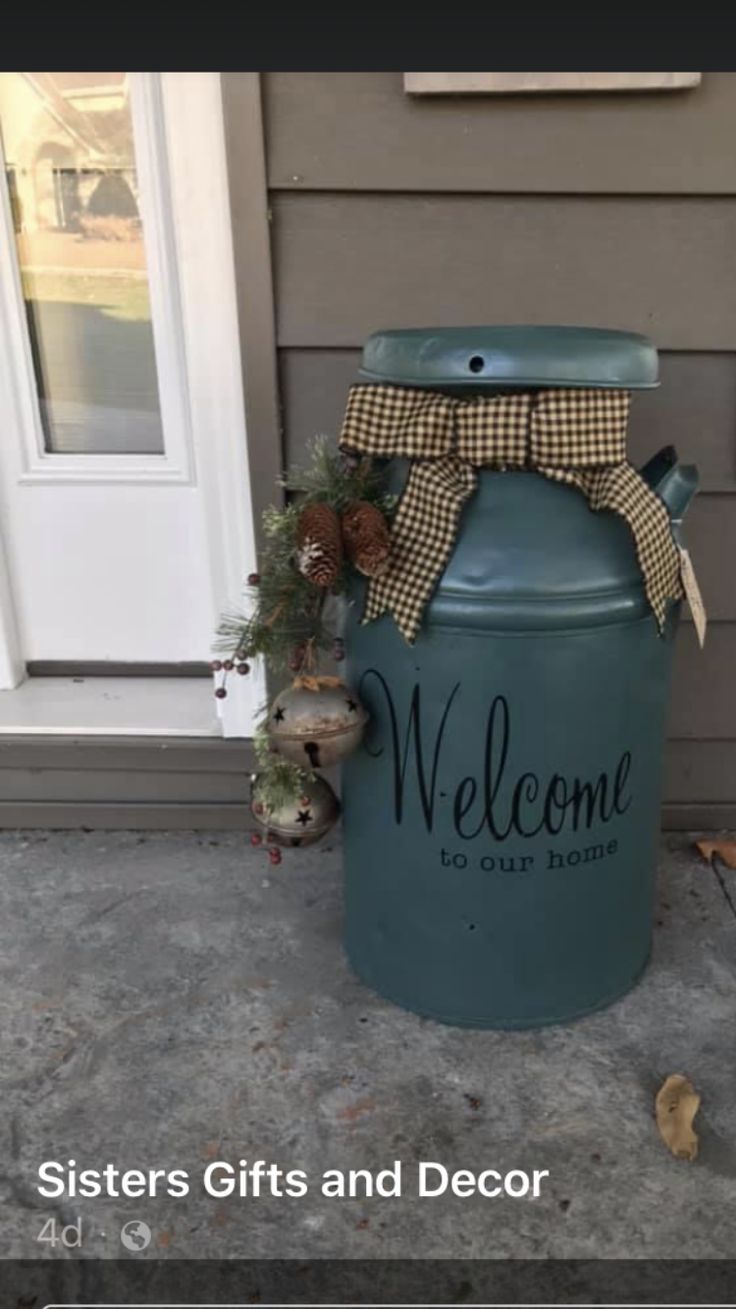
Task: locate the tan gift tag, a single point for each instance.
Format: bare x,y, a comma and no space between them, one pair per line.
692,592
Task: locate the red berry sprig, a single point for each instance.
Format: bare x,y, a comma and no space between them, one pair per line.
225,666
274,854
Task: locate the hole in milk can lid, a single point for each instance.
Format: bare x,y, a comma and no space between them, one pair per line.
476,363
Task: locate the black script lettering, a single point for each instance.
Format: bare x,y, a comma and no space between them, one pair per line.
620,780
463,803
560,804
526,790
493,777
413,729
531,805
590,795
595,795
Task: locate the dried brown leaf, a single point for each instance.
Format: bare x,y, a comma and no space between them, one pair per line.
675,1107
726,850
306,682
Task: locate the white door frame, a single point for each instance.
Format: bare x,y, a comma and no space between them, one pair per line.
12,667
201,205
180,150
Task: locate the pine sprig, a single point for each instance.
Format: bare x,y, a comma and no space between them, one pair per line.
284,609
288,620
277,781
337,479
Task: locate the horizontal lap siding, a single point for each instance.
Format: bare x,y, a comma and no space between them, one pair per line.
346,264
617,211
704,703
121,815
702,771
128,782
360,132
123,786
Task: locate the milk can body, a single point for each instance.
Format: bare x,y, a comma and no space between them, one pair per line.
501,818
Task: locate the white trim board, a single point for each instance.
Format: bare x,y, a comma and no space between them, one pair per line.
104,706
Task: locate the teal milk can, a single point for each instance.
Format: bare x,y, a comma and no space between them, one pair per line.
502,814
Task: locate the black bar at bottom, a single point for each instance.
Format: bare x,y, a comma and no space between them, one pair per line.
30,1284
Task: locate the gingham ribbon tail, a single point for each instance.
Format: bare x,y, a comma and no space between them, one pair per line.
573,436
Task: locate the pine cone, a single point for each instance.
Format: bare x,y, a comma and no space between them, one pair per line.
319,552
365,534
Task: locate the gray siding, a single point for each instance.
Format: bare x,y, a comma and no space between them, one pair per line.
359,132
124,782
347,263
389,210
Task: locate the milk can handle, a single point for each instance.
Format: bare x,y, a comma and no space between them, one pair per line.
674,483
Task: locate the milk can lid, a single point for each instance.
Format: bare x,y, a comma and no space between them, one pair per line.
486,358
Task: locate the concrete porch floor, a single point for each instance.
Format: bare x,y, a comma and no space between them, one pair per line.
171,999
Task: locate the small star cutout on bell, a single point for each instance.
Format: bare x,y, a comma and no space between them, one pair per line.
317,727
301,820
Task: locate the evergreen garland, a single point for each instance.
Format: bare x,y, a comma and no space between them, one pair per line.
289,621
286,621
277,780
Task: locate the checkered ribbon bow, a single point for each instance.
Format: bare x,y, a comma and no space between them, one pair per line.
573,436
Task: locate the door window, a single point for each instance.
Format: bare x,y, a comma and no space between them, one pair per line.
75,202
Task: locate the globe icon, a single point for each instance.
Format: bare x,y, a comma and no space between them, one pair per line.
136,1236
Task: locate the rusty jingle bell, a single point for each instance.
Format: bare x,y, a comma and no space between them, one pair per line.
317,728
301,820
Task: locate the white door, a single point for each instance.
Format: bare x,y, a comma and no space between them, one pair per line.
124,491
